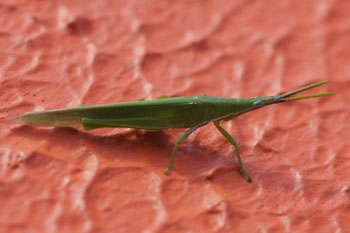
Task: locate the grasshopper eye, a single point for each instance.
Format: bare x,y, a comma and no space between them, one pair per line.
258,103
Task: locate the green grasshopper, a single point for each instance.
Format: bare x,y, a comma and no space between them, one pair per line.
190,112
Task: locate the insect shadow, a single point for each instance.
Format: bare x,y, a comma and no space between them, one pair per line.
136,148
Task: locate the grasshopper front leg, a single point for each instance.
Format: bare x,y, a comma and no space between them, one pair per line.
233,142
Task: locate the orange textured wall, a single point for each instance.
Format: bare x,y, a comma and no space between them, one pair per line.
58,54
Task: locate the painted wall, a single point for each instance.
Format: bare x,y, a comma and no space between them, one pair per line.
58,54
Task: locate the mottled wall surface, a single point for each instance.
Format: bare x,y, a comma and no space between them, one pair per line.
59,54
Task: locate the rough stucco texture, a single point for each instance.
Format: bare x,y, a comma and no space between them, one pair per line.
58,54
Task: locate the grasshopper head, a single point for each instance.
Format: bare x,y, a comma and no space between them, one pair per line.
259,102
263,101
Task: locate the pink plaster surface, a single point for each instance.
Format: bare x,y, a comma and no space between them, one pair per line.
58,54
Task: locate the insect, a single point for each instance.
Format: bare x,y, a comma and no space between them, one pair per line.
190,112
